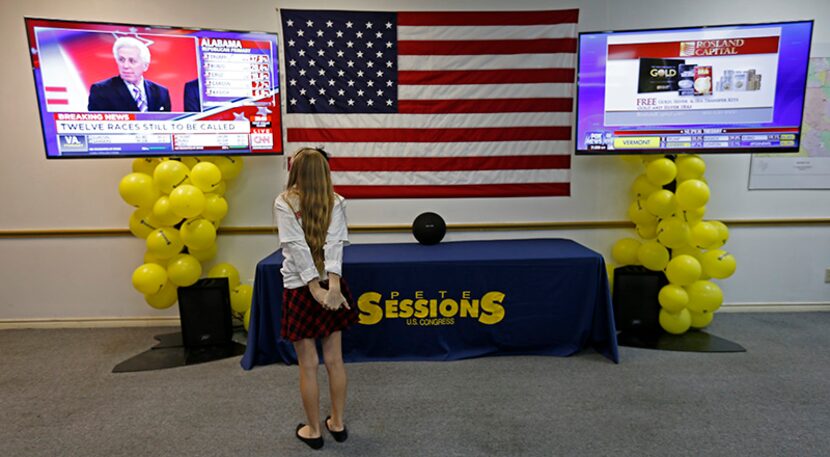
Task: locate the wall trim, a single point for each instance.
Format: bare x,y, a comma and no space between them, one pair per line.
793,307
396,228
95,322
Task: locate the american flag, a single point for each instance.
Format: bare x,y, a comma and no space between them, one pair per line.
434,104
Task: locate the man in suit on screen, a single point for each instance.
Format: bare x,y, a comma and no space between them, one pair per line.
129,91
192,102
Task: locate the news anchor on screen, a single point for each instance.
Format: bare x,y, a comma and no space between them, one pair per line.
129,91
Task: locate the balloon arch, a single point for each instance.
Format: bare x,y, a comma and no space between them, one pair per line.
669,203
180,203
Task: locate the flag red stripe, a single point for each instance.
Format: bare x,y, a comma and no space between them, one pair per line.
449,77
457,191
296,135
57,101
449,163
489,18
487,105
485,47
54,89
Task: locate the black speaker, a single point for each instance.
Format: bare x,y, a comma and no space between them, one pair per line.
429,228
636,306
205,311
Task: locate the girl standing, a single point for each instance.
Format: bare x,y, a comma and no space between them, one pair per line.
311,220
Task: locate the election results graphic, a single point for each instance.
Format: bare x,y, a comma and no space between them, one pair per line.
120,90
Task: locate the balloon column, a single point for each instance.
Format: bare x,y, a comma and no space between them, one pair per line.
179,206
669,202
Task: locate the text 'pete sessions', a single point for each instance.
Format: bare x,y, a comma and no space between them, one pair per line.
487,310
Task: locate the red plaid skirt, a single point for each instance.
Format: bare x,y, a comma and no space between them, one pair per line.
303,317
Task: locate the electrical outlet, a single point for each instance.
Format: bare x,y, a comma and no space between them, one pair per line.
827,276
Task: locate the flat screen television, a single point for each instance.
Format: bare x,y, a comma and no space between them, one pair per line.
718,89
129,90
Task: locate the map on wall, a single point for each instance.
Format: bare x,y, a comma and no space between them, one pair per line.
810,167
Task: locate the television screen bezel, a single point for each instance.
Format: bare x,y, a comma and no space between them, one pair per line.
677,151
214,153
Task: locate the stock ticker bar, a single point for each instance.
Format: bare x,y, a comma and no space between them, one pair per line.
700,138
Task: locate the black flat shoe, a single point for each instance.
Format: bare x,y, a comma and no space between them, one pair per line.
313,443
340,436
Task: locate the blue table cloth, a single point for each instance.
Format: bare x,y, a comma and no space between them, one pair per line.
455,300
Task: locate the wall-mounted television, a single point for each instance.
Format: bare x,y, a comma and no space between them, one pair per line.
129,90
718,89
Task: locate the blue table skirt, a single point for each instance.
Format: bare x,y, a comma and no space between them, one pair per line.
455,300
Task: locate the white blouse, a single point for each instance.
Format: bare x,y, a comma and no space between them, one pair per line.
298,267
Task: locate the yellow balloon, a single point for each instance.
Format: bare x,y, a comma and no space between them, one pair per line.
718,264
246,320
686,249
163,212
683,270
692,193
142,222
198,233
661,171
704,296
164,243
690,167
675,323
723,231
187,201
704,235
241,296
646,232
672,232
216,207
639,215
642,188
137,189
225,270
701,320
170,174
164,298
230,167
661,203
625,250
149,278
673,298
150,258
221,188
204,255
206,176
653,255
190,161
184,270
693,216
647,159
145,165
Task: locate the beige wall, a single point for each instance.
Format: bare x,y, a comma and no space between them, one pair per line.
90,277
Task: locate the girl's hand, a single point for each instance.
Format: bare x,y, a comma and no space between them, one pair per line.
334,300
317,292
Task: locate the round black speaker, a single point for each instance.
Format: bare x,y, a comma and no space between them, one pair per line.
429,228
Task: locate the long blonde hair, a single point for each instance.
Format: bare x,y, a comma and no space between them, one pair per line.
309,182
